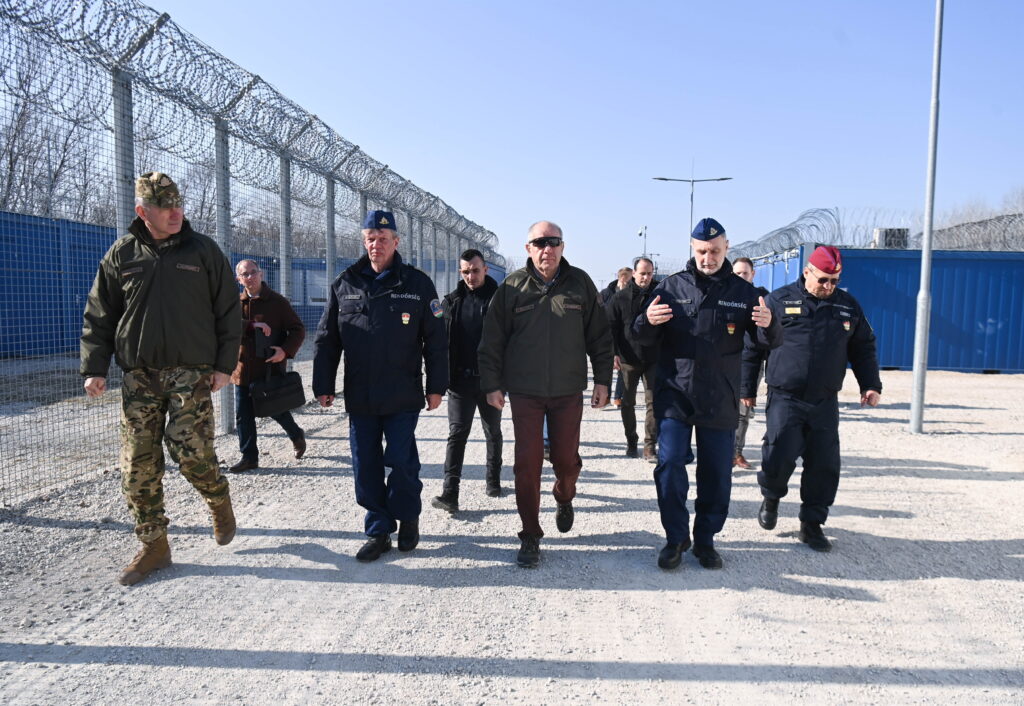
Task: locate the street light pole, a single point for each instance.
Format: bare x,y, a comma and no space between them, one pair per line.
691,182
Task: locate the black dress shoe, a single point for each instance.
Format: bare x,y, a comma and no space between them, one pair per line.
707,556
813,537
408,535
529,553
672,554
768,515
376,545
299,445
246,464
631,451
494,491
446,502
564,516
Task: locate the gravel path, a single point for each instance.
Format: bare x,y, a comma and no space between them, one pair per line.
920,601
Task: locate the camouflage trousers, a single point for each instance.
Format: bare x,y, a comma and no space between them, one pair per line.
171,405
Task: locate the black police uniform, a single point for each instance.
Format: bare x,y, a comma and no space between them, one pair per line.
386,325
804,377
697,386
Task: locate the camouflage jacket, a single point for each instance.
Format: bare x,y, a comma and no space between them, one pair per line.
172,305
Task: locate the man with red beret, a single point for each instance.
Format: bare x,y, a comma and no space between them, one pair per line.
824,329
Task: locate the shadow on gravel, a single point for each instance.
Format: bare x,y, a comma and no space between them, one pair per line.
446,665
867,466
626,561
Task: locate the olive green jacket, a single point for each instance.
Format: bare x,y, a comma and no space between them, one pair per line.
166,306
537,337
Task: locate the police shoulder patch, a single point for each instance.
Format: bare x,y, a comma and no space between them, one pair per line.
435,308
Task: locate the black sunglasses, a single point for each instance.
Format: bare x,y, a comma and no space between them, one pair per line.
828,280
551,241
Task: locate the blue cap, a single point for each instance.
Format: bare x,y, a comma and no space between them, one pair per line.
707,229
379,219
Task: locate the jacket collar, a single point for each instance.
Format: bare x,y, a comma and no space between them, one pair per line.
723,272
563,267
487,289
141,232
393,278
265,292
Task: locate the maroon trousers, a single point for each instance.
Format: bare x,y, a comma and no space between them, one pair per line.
564,415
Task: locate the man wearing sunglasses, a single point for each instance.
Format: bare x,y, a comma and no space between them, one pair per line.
543,323
825,328
698,319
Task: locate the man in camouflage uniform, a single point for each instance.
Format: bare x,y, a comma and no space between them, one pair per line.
165,305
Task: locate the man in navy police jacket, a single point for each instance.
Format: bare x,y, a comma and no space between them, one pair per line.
385,317
699,317
824,329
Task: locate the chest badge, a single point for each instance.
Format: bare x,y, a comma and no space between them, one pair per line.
793,310
731,328
405,318
846,325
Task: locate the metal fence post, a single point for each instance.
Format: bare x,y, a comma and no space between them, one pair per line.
285,248
433,253
222,178
331,253
124,149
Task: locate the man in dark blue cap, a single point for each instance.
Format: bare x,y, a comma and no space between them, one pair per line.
385,317
698,318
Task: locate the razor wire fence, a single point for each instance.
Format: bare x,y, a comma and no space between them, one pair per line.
95,92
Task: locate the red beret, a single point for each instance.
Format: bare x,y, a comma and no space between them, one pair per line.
827,259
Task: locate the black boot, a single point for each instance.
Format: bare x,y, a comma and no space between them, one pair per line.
813,537
529,552
448,500
707,556
671,554
376,545
408,534
493,485
768,515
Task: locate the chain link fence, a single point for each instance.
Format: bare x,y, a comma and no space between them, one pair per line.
95,92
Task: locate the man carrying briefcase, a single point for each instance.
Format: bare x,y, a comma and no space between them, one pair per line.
267,317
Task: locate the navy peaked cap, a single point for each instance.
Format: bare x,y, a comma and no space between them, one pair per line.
708,229
379,219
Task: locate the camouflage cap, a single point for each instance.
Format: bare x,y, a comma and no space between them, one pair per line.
157,189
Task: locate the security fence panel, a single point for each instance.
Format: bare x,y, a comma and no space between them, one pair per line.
94,93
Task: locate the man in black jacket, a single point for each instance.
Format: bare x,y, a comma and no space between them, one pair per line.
633,361
385,317
464,311
699,317
825,329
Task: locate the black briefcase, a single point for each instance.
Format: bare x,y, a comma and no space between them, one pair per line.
276,394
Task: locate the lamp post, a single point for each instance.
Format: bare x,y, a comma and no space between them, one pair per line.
691,183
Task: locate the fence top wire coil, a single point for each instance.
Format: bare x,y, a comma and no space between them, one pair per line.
125,35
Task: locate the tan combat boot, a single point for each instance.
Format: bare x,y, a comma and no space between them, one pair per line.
153,555
223,522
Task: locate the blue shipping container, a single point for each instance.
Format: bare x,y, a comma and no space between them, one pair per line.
977,311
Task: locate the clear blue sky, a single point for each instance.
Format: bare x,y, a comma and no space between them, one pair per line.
519,111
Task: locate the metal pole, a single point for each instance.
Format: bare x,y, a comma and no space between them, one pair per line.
422,250
331,254
285,249
924,301
223,236
124,149
432,256
448,261
691,208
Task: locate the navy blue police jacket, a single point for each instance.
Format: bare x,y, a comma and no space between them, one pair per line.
701,346
387,328
821,337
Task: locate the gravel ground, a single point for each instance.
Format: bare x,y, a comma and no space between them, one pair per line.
920,601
